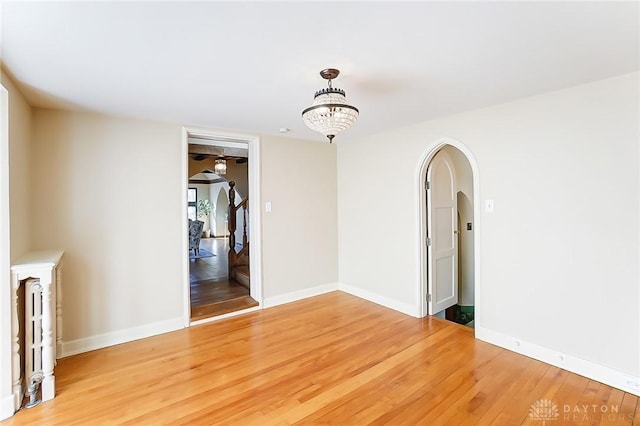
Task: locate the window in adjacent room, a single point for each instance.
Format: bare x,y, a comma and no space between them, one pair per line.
192,198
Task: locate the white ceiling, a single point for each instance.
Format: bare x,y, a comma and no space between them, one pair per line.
253,67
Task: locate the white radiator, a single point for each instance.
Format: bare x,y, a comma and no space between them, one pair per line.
33,330
40,275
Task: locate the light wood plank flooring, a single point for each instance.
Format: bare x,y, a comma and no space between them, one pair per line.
332,359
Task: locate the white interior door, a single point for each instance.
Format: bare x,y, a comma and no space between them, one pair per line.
442,239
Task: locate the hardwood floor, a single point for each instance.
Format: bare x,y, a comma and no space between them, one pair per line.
212,293
210,268
332,359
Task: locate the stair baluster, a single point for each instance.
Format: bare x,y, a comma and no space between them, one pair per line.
240,258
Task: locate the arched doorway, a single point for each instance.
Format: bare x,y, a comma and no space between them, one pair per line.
220,214
448,223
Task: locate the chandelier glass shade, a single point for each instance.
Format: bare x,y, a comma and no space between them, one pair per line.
330,114
220,166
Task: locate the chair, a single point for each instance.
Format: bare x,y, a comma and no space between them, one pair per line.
195,233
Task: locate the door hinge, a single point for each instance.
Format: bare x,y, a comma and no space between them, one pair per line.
428,185
428,241
428,298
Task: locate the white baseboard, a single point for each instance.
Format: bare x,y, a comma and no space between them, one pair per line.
6,407
407,309
99,341
588,369
122,336
298,295
606,375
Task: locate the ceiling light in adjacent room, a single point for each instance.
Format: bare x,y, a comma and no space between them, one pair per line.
220,166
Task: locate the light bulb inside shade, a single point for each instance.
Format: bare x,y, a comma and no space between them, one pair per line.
220,166
330,114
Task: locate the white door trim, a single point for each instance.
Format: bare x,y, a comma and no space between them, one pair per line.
421,215
252,142
6,336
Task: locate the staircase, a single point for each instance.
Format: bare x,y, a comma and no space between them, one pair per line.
242,275
238,260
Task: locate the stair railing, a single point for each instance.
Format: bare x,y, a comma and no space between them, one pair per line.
235,257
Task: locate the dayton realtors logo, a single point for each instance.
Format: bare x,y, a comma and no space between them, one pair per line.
545,410
581,413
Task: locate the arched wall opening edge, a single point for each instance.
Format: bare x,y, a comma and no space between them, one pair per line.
421,222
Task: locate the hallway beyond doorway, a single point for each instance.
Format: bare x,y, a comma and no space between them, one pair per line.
212,293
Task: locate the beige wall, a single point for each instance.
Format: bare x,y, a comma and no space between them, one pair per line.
300,233
105,190
15,229
20,168
239,174
558,257
117,215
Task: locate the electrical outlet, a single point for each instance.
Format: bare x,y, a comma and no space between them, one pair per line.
633,383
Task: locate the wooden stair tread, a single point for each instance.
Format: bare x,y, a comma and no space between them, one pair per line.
242,276
222,307
242,269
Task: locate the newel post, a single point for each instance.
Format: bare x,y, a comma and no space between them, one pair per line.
232,227
231,217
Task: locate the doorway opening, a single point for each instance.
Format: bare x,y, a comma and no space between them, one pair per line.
448,225
222,276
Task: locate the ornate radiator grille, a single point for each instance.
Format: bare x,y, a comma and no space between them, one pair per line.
33,328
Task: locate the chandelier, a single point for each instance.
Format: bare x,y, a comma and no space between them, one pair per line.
330,114
220,166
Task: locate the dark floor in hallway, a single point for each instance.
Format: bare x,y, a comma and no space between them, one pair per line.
212,293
